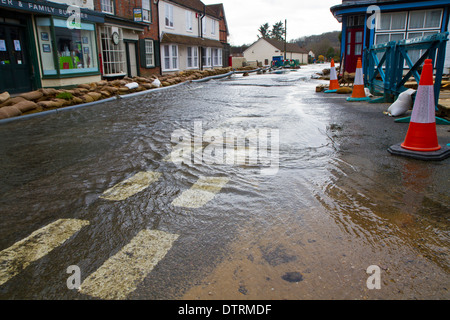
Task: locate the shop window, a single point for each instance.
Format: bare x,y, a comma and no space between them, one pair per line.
113,53
75,50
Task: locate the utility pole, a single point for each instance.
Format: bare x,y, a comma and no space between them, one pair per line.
285,38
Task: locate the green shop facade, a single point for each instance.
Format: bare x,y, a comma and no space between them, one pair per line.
43,44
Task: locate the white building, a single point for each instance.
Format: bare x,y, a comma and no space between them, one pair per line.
265,49
190,36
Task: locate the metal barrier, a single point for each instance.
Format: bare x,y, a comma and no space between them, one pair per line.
383,68
396,59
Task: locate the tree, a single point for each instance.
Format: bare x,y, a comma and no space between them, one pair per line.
264,31
278,31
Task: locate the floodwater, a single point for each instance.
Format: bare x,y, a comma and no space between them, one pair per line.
336,203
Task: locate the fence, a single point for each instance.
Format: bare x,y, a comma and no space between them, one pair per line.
385,65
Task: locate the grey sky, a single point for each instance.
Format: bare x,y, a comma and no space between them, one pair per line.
304,18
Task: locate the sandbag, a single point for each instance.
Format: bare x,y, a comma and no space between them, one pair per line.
403,103
157,83
132,85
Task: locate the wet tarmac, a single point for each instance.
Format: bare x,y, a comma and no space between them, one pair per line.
148,227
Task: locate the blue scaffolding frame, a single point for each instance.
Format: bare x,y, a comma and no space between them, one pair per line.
390,68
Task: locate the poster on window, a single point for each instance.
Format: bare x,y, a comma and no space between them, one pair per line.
2,45
17,45
137,14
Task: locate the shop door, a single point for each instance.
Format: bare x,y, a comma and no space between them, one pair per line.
15,65
132,60
354,48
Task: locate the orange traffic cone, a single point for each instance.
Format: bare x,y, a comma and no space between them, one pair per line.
358,93
334,83
421,140
422,135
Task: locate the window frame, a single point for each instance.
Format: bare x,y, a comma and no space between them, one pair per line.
149,10
192,53
111,4
52,42
204,25
189,21
213,27
171,57
168,16
153,64
424,22
378,24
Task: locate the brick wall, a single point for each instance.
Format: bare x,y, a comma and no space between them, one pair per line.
124,9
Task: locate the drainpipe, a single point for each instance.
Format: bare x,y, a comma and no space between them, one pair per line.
202,15
159,35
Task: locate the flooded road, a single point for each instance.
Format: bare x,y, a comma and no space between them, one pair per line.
100,188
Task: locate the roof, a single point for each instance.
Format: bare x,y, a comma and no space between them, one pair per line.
290,47
214,10
195,41
196,5
388,4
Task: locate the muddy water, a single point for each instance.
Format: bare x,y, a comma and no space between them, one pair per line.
338,204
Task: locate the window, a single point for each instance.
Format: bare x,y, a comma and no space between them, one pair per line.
107,6
358,43
113,56
217,57
349,41
430,19
170,57
392,21
355,21
206,57
387,37
416,54
149,53
189,26
204,22
213,27
168,15
75,49
146,11
192,57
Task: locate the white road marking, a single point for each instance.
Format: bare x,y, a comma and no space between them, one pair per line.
131,186
203,191
121,274
20,255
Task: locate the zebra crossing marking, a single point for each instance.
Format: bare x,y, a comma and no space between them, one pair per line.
20,255
131,186
203,191
121,274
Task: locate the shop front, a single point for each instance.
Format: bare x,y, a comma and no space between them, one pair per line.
17,67
40,46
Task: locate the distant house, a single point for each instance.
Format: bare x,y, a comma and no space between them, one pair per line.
191,35
400,19
265,49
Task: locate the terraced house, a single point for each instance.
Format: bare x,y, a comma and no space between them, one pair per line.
128,38
63,43
192,34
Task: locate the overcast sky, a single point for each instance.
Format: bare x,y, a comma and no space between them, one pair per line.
304,18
